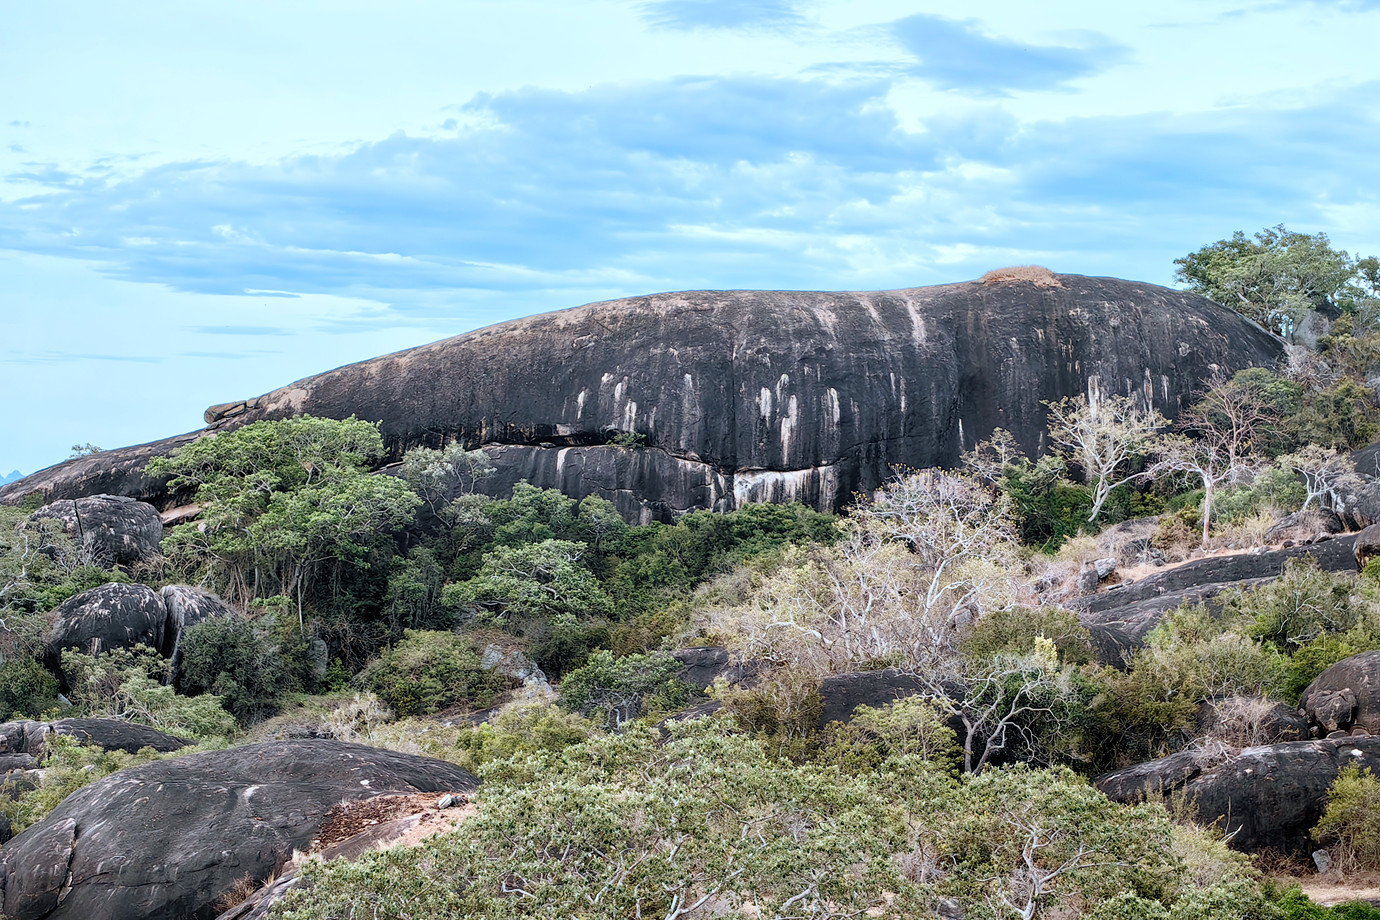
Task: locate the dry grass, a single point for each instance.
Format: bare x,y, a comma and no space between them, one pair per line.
236,894
1037,275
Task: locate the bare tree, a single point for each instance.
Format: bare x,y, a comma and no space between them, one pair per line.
1325,473
1216,440
1104,435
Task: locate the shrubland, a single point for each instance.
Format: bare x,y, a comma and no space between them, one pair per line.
402,595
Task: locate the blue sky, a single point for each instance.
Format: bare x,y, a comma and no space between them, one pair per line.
202,202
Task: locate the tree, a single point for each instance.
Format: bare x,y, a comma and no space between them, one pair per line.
282,502
1278,277
1105,435
440,476
1325,473
1216,441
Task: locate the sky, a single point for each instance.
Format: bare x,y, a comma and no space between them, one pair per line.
201,202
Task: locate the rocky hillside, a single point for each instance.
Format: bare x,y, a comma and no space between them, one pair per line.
708,399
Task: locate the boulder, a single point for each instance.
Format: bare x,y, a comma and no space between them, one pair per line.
27,739
1366,546
1266,797
111,529
1346,696
166,840
1251,721
843,693
1304,526
107,617
704,664
186,607
709,399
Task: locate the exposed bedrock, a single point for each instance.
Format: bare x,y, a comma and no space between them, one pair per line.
1346,696
166,840
1262,797
748,395
1119,619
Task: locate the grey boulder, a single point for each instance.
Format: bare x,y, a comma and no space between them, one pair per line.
1346,696
166,840
111,529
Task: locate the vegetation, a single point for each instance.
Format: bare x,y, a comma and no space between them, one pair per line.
419,593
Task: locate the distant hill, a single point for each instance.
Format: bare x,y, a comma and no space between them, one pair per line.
11,477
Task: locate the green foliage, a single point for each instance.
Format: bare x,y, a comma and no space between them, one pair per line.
1349,823
228,657
1300,606
615,690
536,581
1275,278
1343,416
519,733
283,503
429,671
1295,905
1014,630
27,689
68,765
782,709
128,684
910,727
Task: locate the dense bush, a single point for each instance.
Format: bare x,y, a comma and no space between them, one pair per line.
1349,823
27,689
228,657
614,690
429,671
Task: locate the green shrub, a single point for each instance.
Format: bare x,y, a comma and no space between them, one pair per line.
1301,605
907,727
615,690
429,671
1349,823
128,684
27,689
228,657
518,733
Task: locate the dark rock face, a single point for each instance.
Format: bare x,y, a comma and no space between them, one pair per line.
1346,696
752,395
110,472
26,739
1263,797
1305,526
703,664
107,617
186,607
1367,546
114,529
165,840
846,692
115,616
1118,619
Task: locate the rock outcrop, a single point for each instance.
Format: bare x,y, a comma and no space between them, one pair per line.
1262,797
166,840
23,742
117,615
723,397
112,529
1119,619
1346,696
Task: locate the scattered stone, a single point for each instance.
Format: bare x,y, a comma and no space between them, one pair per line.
1305,526
1323,860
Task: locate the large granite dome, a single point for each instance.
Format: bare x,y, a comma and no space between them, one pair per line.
750,395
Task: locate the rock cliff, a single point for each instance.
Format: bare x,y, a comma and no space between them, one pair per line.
715,398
